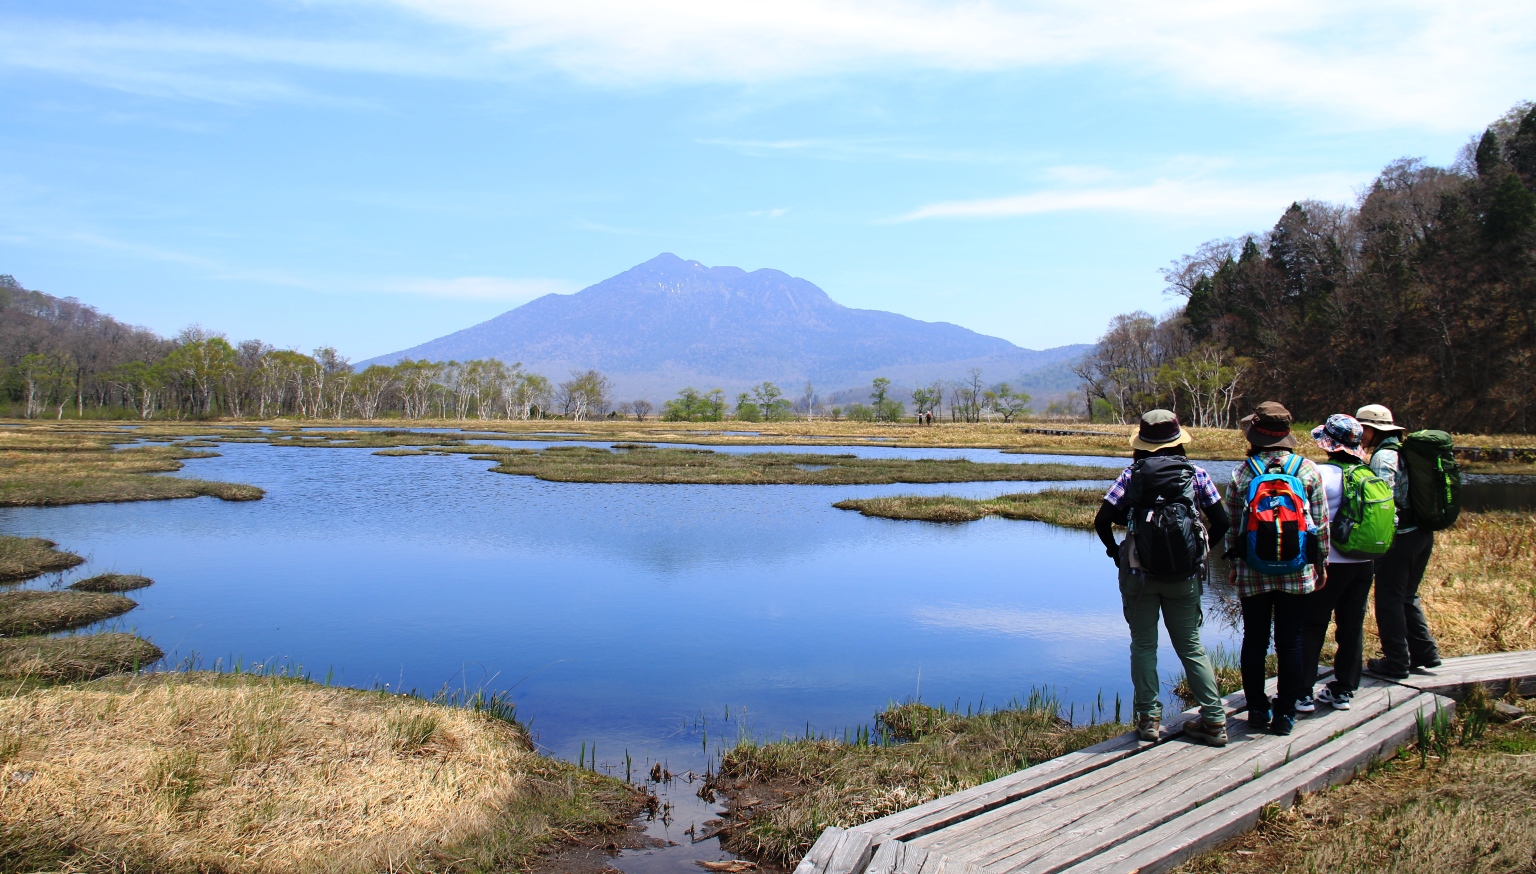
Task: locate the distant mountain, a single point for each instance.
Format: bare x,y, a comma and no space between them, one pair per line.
670,323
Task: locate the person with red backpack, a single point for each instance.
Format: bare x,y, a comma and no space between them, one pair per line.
1159,498
1277,544
1406,641
1360,527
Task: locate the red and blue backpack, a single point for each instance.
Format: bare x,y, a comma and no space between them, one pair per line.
1277,525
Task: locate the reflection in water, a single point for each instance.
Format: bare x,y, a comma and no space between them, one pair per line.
627,616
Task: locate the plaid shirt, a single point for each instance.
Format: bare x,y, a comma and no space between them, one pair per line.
1205,490
1300,582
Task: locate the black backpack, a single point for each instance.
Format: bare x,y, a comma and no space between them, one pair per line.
1163,522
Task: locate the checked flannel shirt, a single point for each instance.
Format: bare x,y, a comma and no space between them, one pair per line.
1205,490
1250,581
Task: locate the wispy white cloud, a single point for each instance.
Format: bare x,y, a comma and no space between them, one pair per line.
513,290
214,65
1419,62
1173,197
1037,624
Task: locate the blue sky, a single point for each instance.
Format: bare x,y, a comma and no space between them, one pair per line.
371,174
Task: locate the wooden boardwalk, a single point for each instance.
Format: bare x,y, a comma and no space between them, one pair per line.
1130,806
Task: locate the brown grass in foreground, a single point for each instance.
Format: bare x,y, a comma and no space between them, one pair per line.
200,772
1468,813
1070,508
53,468
783,794
22,558
34,661
1480,590
111,583
36,612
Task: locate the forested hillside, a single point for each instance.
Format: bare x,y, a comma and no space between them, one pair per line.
1422,297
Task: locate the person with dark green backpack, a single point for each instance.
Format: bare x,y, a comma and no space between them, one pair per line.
1426,488
1362,520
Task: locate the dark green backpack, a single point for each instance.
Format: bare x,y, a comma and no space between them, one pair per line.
1365,523
1434,480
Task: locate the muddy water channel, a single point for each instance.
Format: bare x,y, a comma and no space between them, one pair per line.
658,621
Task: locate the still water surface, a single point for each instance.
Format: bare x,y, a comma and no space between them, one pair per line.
632,617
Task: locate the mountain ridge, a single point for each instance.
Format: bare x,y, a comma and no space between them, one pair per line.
669,322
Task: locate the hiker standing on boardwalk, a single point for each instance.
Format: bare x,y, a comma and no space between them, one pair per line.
1406,642
1160,497
1277,544
1361,519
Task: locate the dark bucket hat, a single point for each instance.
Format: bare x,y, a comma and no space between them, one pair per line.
1269,427
1159,429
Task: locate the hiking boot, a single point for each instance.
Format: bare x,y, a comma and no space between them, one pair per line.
1147,726
1425,666
1281,725
1381,668
1258,720
1338,700
1305,704
1202,732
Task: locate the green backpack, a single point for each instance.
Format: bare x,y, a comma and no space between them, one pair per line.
1367,518
1434,480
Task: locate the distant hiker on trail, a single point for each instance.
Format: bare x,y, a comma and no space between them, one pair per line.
1360,520
1159,498
1277,544
1406,642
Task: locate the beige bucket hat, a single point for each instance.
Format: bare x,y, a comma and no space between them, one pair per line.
1378,417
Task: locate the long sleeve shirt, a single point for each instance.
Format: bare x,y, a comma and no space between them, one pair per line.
1298,582
1387,463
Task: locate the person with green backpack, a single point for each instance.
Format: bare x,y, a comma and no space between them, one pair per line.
1426,488
1361,522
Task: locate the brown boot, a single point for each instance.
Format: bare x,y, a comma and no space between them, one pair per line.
1202,732
1147,726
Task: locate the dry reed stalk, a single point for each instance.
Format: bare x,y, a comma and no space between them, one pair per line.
262,774
22,558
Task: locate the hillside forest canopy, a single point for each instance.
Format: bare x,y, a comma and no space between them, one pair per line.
1422,297
60,357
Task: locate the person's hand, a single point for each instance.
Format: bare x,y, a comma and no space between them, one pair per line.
1232,574
1114,553
1322,577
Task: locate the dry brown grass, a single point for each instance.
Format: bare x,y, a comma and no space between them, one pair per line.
111,583
38,612
782,795
50,468
1480,590
1070,508
22,558
35,661
1469,813
193,773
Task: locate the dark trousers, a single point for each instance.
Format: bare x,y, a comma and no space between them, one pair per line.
1286,614
1341,601
1405,638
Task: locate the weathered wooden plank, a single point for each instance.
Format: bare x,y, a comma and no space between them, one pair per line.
941,812
1080,823
851,853
887,859
912,859
820,854
1170,844
1496,672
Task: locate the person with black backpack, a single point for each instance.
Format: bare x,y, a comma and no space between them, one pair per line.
1277,544
1426,485
1159,498
1361,521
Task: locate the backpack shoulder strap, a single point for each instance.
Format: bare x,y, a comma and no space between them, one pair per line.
1292,466
1254,467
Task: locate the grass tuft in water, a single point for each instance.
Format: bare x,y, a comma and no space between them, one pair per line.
112,583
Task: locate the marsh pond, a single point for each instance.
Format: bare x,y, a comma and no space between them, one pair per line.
631,623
